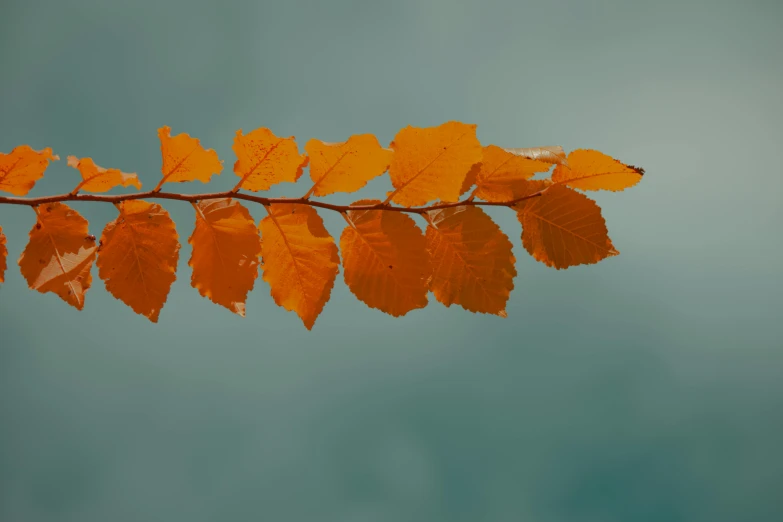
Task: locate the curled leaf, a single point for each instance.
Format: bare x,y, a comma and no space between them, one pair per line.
564,228
346,166
138,255
185,159
60,254
472,261
593,170
300,260
226,246
264,160
432,163
553,154
385,261
99,179
20,169
504,175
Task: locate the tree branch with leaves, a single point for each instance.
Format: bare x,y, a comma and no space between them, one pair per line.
389,263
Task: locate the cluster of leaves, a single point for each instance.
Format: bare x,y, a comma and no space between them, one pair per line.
463,257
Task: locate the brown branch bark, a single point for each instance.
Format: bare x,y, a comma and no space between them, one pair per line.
34,202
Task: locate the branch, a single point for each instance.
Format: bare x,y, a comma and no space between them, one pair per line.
34,202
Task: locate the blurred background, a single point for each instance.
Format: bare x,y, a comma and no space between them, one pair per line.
645,388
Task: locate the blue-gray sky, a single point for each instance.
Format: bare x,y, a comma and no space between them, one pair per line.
645,388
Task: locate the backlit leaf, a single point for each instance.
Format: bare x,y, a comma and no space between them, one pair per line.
264,160
593,170
20,169
472,262
553,155
185,159
385,261
226,246
3,255
137,258
99,179
564,228
346,166
431,163
60,254
503,175
300,259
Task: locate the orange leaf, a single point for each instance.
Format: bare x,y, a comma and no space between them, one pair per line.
593,170
184,159
472,262
552,155
20,169
504,175
138,256
3,255
226,246
385,261
264,160
564,228
470,179
98,179
432,163
346,166
300,259
60,254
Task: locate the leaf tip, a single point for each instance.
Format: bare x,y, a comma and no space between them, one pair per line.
639,170
164,132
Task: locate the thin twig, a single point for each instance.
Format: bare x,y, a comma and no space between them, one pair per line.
34,202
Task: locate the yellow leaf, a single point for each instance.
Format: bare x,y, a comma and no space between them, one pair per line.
60,254
184,159
226,246
385,261
138,255
346,166
3,255
300,259
20,169
472,261
432,163
503,175
98,179
264,160
564,228
593,170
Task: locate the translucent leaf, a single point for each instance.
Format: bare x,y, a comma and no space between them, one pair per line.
20,169
226,246
503,175
564,228
432,163
185,159
138,255
99,179
385,261
593,170
264,160
60,254
300,260
553,155
472,261
346,166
